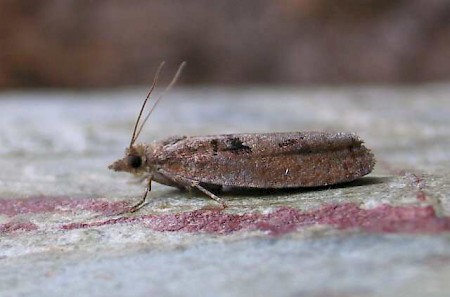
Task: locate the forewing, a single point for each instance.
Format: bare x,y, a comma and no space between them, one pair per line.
272,160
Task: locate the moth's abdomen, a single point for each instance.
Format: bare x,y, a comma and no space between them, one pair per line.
273,160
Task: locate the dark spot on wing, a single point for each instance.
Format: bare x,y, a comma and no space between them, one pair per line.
287,142
235,145
215,146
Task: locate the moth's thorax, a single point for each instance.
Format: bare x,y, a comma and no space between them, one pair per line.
138,160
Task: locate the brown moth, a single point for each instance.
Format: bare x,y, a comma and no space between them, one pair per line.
258,160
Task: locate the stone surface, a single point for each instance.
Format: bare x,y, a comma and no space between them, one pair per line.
384,235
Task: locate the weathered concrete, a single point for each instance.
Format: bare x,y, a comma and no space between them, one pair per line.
385,235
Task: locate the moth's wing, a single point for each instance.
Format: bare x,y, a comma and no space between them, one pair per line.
272,160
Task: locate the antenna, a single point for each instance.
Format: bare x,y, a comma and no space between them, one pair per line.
174,80
155,80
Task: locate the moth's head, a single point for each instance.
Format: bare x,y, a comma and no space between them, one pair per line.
135,160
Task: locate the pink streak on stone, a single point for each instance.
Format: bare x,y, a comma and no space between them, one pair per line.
17,226
41,204
382,219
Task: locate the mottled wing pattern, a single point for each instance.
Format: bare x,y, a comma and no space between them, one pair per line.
272,160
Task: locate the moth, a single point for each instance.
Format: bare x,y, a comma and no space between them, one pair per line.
253,160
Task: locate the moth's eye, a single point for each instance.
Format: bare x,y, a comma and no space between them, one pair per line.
134,161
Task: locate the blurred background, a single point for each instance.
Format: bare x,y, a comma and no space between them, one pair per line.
97,44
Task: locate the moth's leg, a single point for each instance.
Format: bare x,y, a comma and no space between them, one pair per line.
189,184
197,185
141,202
